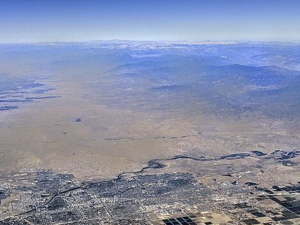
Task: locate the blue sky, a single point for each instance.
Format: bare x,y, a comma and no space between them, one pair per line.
191,20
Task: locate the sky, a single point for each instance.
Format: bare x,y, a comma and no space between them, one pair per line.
159,20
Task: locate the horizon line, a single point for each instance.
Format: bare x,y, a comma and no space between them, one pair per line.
153,41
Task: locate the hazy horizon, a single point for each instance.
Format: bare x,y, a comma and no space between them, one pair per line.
202,42
80,21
